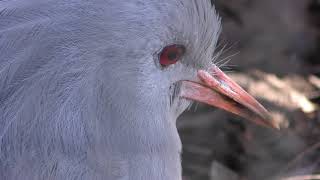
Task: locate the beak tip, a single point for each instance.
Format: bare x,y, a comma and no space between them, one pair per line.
269,120
275,126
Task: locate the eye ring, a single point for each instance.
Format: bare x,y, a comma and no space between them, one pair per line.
171,54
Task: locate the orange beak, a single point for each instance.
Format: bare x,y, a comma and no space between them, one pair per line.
216,89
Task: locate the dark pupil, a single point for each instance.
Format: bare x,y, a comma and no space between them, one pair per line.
172,56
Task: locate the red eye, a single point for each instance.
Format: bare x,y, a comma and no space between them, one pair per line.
171,54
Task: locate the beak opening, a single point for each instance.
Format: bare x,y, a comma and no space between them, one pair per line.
216,89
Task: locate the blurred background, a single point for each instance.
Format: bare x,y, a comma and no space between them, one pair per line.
272,49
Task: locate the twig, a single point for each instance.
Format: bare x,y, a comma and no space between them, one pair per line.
304,177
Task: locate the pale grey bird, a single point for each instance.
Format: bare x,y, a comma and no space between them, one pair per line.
91,89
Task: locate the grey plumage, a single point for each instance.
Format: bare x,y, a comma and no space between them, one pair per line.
81,93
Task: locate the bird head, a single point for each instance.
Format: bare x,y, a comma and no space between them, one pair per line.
109,78
170,49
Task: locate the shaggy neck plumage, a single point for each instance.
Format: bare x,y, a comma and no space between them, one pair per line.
72,114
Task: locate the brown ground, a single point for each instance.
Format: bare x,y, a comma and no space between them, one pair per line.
275,50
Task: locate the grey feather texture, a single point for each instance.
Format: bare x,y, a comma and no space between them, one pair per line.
81,92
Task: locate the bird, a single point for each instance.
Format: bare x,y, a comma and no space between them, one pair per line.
91,90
